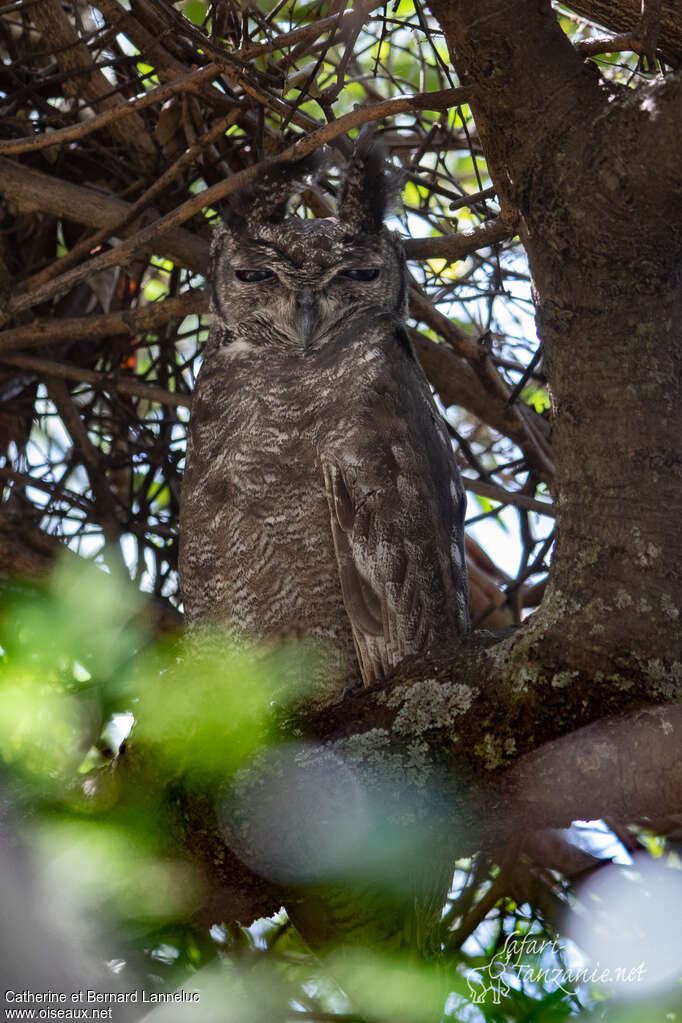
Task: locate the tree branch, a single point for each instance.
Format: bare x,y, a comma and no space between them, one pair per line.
625,16
31,190
189,82
112,383
459,383
149,317
460,245
508,497
530,429
429,739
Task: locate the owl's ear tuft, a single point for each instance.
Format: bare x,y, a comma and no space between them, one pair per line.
266,200
372,186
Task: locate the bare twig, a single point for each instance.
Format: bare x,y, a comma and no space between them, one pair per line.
508,497
131,321
536,444
188,83
129,215
110,382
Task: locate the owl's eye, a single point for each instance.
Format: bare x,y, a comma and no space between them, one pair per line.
361,273
251,276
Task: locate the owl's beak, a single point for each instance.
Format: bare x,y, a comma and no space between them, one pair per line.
306,316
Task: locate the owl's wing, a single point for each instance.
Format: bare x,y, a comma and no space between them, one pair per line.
401,587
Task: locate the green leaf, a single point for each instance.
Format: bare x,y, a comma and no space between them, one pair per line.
195,11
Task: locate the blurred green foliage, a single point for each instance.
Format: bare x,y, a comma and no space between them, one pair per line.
76,664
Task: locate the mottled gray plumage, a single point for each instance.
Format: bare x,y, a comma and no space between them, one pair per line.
321,496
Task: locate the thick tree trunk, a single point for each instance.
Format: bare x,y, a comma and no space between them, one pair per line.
594,172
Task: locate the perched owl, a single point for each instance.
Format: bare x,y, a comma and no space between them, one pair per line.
321,496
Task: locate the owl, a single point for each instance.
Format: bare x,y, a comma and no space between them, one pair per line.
321,495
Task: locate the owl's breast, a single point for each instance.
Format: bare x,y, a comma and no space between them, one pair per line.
256,547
